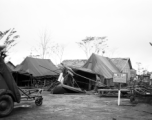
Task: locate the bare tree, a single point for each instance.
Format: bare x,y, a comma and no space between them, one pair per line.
93,45
100,45
85,44
113,51
43,47
8,38
58,50
44,43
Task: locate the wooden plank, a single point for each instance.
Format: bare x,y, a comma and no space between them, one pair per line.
113,90
110,92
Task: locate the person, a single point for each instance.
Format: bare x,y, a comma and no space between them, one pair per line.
7,76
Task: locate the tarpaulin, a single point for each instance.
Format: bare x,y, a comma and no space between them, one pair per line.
7,79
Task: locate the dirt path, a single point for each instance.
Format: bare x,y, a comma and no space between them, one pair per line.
80,107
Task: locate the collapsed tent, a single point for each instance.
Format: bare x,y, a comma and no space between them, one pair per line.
75,80
38,67
62,89
79,77
102,66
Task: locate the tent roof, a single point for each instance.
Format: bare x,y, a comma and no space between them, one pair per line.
121,62
38,67
101,65
83,69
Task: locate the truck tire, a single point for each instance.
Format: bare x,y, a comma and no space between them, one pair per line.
6,105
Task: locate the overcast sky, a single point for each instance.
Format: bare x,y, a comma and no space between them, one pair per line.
126,23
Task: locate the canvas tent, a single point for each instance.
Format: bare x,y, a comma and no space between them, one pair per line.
124,65
20,77
81,77
10,65
38,67
102,66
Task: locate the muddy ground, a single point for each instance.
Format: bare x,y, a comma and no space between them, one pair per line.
80,107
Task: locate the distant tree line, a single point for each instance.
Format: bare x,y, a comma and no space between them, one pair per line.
46,47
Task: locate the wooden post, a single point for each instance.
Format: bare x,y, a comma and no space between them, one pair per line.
119,78
119,93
